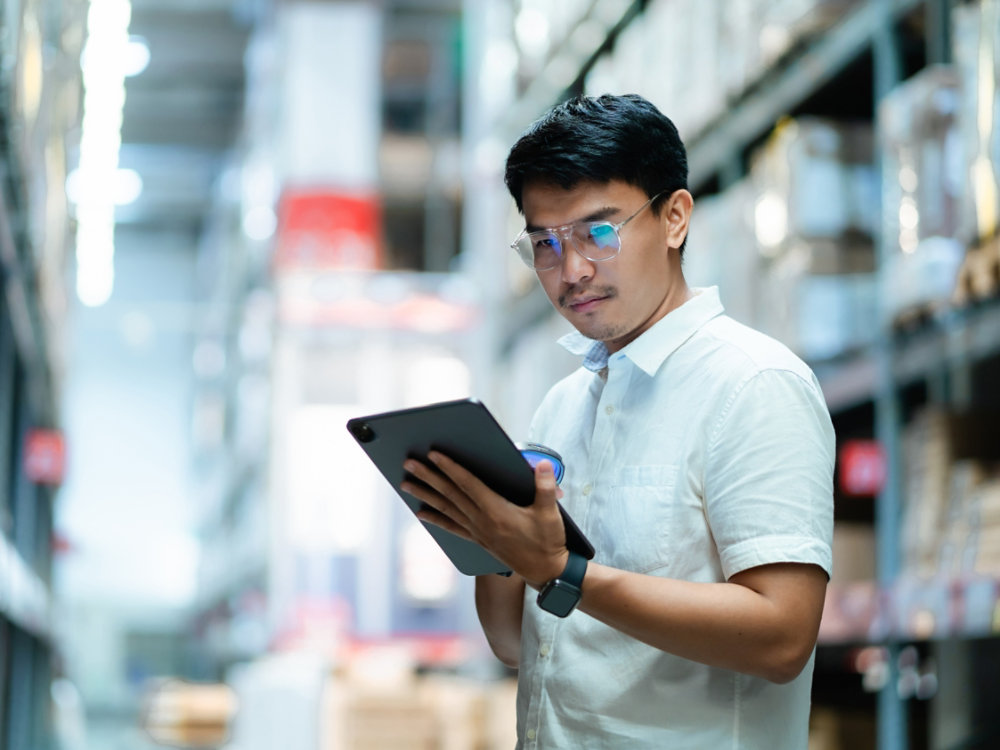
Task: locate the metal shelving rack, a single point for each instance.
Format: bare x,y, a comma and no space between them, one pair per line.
878,374
26,400
28,648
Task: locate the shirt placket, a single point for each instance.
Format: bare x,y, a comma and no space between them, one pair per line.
602,450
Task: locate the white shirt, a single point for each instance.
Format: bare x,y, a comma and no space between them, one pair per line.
703,449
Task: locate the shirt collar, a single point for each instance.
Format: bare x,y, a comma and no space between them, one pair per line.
652,347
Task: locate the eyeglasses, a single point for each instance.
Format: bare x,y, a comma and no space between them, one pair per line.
594,240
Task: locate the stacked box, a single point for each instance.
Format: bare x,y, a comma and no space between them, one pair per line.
853,552
815,209
981,527
500,719
842,729
957,531
820,316
675,65
976,45
366,710
800,169
922,188
979,274
721,252
951,495
692,69
926,463
402,721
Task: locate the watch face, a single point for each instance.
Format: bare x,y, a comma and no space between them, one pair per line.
559,598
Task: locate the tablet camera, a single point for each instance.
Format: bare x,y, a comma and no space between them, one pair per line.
363,432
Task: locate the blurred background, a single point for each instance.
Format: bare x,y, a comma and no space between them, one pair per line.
226,226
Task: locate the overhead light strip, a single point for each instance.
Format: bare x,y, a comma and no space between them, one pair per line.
100,142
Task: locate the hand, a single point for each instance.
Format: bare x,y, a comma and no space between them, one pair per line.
530,540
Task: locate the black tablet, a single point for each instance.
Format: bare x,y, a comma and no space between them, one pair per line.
465,431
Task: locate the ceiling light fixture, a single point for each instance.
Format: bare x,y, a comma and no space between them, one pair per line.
100,142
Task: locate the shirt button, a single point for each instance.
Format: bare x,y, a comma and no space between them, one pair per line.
544,650
587,489
531,734
609,410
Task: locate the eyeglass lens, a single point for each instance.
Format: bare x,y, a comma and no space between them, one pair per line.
593,240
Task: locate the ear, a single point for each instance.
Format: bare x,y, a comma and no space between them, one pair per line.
677,217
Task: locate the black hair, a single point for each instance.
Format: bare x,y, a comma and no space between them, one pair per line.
600,139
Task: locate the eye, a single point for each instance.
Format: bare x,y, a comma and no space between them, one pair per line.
544,241
603,234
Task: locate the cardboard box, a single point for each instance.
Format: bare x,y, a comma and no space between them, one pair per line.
922,188
853,552
976,48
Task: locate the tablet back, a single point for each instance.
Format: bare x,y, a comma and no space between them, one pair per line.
463,430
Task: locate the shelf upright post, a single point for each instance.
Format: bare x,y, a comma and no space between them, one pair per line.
892,717
937,22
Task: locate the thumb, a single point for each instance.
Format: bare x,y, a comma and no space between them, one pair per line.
546,488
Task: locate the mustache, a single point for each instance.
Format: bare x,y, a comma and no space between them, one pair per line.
574,294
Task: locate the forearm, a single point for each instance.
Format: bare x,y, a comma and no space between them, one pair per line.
729,625
499,604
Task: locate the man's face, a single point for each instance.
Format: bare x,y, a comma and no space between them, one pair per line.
612,300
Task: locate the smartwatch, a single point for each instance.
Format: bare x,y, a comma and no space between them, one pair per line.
561,595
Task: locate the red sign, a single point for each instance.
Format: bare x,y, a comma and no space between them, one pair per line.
45,456
324,229
862,468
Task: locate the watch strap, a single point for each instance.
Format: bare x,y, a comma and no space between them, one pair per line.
561,595
576,568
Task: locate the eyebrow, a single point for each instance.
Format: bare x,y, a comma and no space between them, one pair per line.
600,214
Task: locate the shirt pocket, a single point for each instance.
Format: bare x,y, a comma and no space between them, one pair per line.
637,520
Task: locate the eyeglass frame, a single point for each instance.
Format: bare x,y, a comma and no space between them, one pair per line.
561,234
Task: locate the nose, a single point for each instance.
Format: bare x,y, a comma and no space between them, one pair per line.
574,268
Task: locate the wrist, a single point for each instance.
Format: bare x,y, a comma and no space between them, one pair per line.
553,569
561,594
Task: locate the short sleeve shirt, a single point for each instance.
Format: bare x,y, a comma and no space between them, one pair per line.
701,449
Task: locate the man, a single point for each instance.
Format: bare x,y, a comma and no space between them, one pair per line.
699,460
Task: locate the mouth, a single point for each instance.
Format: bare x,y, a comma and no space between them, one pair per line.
585,303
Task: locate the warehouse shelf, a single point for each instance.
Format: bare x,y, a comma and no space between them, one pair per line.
848,381
24,597
748,118
784,88
26,318
941,357
954,338
912,609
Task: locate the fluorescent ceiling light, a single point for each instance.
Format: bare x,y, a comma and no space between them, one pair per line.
99,185
123,186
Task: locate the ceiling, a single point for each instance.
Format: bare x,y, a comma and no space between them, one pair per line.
183,113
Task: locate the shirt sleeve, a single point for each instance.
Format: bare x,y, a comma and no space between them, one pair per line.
769,474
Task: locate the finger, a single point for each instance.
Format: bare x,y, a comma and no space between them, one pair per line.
426,474
431,516
546,489
471,488
433,500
